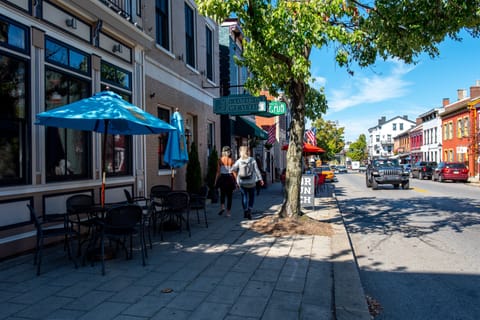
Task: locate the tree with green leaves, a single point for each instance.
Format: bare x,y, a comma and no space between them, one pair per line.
280,36
329,137
357,150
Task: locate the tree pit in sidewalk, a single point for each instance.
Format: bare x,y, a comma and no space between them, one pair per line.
280,227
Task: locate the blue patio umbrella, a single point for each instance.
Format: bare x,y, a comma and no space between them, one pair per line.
176,153
105,112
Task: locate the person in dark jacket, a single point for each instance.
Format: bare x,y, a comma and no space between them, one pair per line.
225,180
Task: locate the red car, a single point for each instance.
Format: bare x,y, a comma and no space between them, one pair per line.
456,171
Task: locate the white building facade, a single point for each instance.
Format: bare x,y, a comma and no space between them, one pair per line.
380,137
432,135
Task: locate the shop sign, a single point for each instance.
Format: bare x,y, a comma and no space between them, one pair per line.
240,104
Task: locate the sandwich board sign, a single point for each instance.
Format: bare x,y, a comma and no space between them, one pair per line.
307,190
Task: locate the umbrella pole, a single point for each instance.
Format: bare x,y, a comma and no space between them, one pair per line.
172,177
104,161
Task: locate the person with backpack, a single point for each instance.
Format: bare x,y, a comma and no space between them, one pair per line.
247,174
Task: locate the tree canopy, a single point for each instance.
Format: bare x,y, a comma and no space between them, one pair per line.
357,150
329,137
280,36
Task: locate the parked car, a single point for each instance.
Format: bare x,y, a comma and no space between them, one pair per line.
407,167
422,169
326,171
341,169
362,168
456,171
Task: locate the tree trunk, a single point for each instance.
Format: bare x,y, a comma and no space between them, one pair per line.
291,204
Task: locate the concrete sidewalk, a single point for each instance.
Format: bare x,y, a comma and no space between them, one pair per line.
225,271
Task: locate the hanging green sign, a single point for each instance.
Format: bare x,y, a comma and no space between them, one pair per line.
277,107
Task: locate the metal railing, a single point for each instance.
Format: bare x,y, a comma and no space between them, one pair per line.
122,7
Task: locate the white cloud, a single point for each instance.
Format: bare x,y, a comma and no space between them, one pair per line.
362,89
318,82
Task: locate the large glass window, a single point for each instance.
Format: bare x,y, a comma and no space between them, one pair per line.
13,36
459,128
189,36
66,57
210,136
116,76
163,114
162,23
14,141
118,149
209,52
466,127
67,151
118,155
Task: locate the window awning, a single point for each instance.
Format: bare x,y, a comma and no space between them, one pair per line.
245,127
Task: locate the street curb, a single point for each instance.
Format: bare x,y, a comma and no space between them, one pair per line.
350,299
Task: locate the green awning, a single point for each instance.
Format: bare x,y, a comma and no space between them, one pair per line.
245,127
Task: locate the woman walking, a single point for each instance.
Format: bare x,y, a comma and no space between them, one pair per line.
225,180
247,174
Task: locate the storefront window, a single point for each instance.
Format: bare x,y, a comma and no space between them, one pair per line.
116,76
67,151
12,35
118,155
118,151
65,56
14,138
163,114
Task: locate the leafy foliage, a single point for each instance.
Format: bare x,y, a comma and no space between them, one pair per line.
330,138
281,35
358,149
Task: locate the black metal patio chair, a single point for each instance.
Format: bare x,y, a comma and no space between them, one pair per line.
198,201
50,229
177,210
120,224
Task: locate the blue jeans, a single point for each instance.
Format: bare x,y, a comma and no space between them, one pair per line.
248,197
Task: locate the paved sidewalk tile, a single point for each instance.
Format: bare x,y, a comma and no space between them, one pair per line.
226,272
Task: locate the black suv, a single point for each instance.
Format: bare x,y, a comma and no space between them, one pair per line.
423,170
386,171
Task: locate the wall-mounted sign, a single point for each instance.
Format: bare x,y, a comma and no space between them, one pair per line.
240,104
462,149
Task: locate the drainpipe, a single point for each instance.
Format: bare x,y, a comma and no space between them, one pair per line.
474,138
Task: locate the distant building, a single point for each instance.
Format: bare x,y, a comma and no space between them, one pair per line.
431,147
380,140
401,146
460,129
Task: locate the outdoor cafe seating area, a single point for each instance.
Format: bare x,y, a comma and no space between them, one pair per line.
93,233
102,230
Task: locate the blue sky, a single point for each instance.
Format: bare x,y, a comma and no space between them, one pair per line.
392,88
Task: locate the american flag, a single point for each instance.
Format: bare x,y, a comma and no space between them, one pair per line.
272,132
311,136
